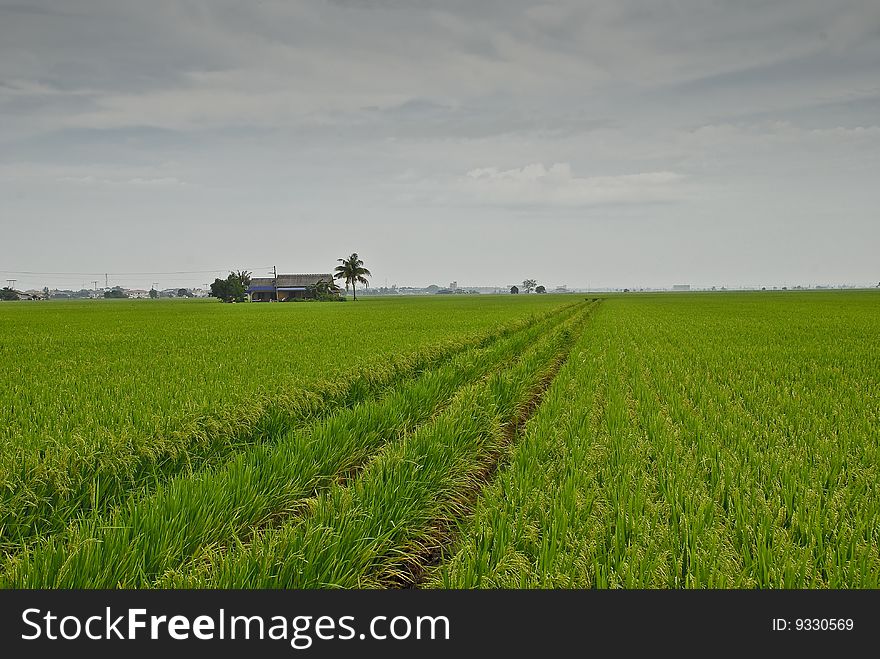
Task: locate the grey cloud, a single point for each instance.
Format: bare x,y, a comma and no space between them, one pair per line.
35,10
336,111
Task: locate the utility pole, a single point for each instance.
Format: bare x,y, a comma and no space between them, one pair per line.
275,281
106,280
95,282
11,282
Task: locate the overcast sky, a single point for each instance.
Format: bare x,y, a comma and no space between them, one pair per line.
602,143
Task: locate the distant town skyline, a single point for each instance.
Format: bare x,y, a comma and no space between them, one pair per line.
203,290
607,144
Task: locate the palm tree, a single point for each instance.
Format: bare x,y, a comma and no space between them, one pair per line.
352,270
243,276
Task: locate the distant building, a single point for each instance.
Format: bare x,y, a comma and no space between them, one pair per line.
453,286
28,295
32,294
285,287
681,287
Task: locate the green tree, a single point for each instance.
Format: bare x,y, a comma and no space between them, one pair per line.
514,290
220,289
154,294
230,289
540,289
115,293
352,270
8,295
529,285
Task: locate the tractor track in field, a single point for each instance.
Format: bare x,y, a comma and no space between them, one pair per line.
413,573
301,508
364,534
348,476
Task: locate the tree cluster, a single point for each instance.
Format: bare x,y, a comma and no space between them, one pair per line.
233,288
8,295
528,286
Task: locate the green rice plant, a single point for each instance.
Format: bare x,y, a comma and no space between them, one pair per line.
688,441
373,531
87,370
694,441
43,489
148,535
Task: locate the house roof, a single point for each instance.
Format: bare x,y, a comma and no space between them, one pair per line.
288,281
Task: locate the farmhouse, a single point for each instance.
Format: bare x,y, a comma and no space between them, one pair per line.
285,287
29,295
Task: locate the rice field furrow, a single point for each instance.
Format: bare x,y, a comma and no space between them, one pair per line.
519,516
367,533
